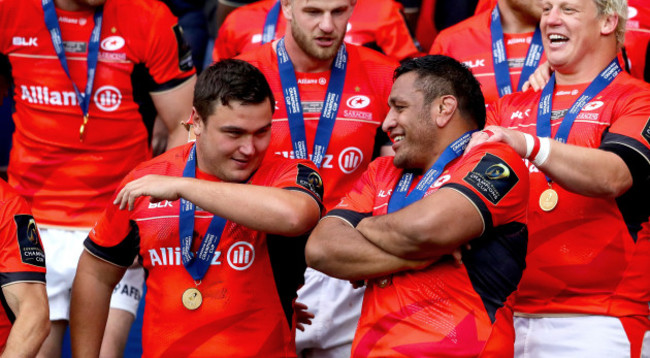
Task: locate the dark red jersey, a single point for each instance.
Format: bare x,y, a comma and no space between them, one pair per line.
68,182
363,108
470,42
248,289
584,255
21,253
376,23
445,310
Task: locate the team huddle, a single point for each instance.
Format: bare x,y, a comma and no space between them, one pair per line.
485,200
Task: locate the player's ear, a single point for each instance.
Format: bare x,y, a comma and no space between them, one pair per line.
286,8
444,108
609,24
198,125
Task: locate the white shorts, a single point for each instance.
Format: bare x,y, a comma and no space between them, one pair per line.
62,250
570,337
337,307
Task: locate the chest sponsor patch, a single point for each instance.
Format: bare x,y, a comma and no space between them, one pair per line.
309,179
646,132
492,177
74,46
29,242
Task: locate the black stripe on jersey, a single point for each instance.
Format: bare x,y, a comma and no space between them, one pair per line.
121,254
320,204
474,198
496,262
287,256
9,277
350,216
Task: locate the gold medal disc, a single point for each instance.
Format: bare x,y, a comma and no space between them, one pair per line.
192,299
548,199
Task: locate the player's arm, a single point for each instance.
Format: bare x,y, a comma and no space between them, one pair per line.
175,105
91,294
585,171
268,209
336,248
28,301
428,228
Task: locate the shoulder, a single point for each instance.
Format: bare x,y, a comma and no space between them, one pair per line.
474,24
260,56
365,56
170,162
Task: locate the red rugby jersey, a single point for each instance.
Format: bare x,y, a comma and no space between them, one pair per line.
68,182
637,39
584,256
247,292
445,310
363,108
376,22
470,42
21,254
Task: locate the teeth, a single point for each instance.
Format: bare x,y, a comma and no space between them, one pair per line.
398,138
555,37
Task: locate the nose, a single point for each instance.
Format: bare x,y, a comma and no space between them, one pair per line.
551,16
326,23
389,122
247,147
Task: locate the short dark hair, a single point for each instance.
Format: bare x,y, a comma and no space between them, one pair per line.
230,80
439,75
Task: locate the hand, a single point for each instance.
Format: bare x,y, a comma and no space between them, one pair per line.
539,78
514,139
159,187
303,317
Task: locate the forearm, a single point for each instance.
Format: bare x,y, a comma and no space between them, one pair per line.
271,210
31,326
175,106
587,171
339,250
89,305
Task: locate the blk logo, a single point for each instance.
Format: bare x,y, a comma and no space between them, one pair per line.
241,255
24,41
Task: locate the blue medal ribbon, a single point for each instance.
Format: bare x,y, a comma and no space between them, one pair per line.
294,107
270,23
500,61
52,24
401,198
197,264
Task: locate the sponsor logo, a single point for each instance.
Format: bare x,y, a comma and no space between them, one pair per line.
443,179
309,179
358,102
128,290
74,46
112,43
69,20
312,107
29,242
516,62
162,204
241,255
171,256
43,95
588,116
257,38
492,178
593,105
327,158
322,81
310,81
632,12
558,114
108,98
520,40
475,63
350,159
646,131
25,41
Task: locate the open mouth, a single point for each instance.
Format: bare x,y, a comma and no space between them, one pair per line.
557,39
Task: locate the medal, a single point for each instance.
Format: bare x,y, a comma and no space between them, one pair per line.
548,199
192,299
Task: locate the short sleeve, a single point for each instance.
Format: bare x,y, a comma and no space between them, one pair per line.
300,175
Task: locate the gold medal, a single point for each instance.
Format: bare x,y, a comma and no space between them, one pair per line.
82,129
192,299
548,199
383,282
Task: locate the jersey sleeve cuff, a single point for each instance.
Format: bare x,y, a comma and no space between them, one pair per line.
350,216
171,84
635,155
7,278
121,254
310,193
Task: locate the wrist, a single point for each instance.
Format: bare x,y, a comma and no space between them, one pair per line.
537,149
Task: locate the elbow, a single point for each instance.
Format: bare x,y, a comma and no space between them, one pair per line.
298,221
315,255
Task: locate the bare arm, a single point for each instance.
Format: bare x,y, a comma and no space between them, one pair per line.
28,301
585,171
91,295
339,250
271,210
428,228
174,106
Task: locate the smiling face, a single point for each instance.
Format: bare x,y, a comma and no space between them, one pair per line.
575,37
233,140
409,124
318,26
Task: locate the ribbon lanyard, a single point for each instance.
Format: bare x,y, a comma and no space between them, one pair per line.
52,23
400,199
501,68
197,265
270,23
294,107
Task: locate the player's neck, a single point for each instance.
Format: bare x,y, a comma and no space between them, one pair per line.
71,5
584,72
514,21
302,62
